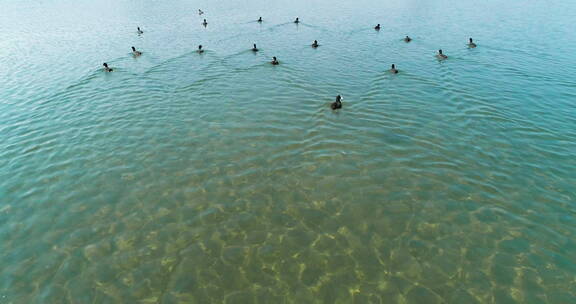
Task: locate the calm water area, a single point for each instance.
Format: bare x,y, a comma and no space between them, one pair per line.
219,178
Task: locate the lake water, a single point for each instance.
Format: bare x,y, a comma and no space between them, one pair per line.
219,178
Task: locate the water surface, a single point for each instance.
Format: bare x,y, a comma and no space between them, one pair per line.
188,178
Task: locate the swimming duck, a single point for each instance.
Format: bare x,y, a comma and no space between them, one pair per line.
260,19
440,55
315,44
106,68
393,70
254,49
205,23
135,52
407,39
200,50
200,12
471,44
337,104
377,27
274,61
297,20
140,31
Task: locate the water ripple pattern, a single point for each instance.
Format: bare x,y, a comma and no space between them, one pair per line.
219,178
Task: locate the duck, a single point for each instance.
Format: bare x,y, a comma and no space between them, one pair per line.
337,104
200,50
107,68
297,20
407,39
393,70
260,19
200,12
254,49
274,61
377,27
315,44
140,31
440,55
471,44
205,23
135,52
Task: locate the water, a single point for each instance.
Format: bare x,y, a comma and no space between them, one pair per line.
187,178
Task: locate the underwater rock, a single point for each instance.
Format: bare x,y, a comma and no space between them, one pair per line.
311,275
239,297
256,237
97,251
234,255
268,253
462,296
420,294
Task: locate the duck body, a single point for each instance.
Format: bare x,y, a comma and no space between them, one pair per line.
407,39
297,20
140,31
337,104
315,44
393,70
136,53
441,55
377,27
255,49
471,44
274,61
107,68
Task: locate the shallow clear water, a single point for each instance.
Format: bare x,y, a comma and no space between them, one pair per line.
187,178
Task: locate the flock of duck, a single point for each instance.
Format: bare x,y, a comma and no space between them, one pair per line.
336,104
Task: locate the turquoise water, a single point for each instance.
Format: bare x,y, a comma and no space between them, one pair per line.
188,178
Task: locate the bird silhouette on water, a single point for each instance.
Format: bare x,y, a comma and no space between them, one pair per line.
136,53
107,68
337,104
441,55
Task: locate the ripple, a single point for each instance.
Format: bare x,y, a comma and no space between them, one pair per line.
217,177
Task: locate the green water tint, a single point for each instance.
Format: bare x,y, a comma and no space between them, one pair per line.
218,178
